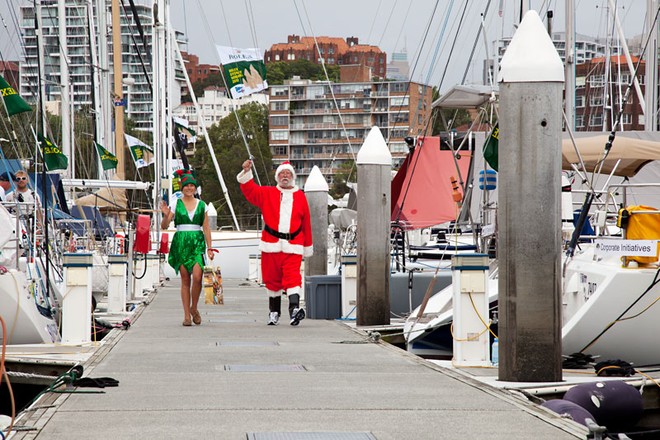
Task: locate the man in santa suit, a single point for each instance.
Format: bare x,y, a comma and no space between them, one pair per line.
285,240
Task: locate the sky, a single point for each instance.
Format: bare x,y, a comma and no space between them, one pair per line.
437,41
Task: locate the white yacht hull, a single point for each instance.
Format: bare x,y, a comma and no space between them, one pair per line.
23,321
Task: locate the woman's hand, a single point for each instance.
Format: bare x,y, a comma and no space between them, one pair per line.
164,208
210,253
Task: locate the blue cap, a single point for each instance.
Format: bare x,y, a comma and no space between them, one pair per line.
4,177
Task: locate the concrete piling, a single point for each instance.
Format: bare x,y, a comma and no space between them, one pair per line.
316,191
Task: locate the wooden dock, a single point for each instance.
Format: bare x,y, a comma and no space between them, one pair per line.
234,377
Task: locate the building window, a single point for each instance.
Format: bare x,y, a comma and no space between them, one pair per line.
291,56
279,135
597,80
401,100
279,120
579,101
579,121
277,57
626,118
280,151
596,100
596,120
279,105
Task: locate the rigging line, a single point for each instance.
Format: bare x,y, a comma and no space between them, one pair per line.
405,19
480,32
440,40
373,22
224,17
608,146
135,44
332,92
251,21
300,18
453,46
387,23
224,81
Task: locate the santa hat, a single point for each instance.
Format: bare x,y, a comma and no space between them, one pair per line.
285,166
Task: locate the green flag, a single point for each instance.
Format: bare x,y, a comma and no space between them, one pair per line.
491,147
53,156
108,160
143,154
13,101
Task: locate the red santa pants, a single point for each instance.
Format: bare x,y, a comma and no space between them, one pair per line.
281,271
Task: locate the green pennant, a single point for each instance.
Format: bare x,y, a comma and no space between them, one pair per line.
108,160
491,147
13,101
53,156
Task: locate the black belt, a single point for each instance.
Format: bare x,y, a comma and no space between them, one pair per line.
282,235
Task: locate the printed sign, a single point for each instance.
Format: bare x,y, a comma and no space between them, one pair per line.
626,248
244,70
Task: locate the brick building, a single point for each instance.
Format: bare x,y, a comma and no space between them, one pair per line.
197,71
10,71
598,95
334,50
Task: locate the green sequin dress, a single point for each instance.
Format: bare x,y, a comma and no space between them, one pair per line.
188,247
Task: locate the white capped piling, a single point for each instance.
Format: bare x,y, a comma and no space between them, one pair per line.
213,217
117,283
77,298
316,191
529,216
374,171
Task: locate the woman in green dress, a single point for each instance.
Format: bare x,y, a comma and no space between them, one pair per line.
191,239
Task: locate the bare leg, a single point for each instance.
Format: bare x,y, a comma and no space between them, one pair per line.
196,286
185,292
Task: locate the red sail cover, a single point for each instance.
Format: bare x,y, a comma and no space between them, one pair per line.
421,189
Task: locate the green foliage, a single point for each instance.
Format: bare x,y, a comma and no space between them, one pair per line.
453,117
214,79
346,172
230,151
279,71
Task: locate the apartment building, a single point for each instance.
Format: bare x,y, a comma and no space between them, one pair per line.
137,94
324,124
600,86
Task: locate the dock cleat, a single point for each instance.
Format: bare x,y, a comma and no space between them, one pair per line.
273,318
297,315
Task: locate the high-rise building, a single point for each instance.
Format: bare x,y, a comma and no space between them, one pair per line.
324,124
398,68
137,94
586,48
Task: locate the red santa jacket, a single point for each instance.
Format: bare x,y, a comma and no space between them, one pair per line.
284,210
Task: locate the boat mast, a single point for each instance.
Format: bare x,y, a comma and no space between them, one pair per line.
569,66
160,80
65,112
118,90
95,81
651,57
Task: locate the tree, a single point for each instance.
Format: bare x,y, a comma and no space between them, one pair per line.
455,116
346,172
279,71
230,153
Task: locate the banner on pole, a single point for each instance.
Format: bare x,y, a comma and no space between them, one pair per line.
244,70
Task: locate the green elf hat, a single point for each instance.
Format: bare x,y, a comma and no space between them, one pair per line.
186,177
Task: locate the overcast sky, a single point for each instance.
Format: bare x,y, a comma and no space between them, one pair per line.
425,28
